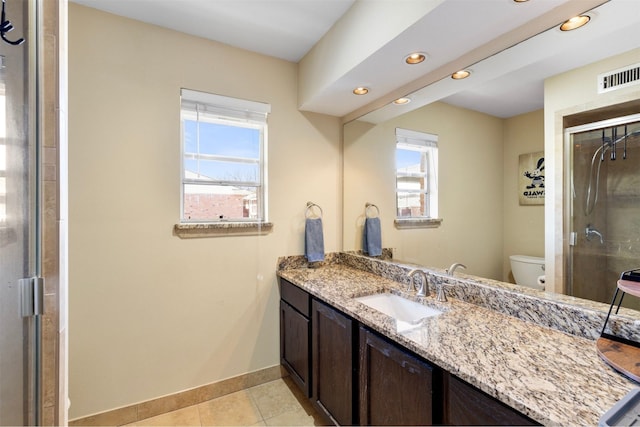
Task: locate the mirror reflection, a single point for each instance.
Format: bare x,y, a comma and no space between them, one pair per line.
488,159
604,202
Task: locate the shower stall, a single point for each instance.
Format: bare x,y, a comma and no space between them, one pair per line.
603,211
21,287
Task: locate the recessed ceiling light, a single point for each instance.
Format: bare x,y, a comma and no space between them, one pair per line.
462,74
520,1
415,58
361,91
575,22
402,101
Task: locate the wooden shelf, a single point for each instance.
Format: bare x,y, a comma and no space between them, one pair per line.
629,287
620,356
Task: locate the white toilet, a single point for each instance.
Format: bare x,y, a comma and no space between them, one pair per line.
528,271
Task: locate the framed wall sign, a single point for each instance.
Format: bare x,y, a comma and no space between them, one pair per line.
531,178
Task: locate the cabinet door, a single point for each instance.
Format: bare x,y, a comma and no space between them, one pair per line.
332,356
466,405
395,386
294,346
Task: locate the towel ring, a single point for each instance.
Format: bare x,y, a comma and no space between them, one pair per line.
310,206
366,209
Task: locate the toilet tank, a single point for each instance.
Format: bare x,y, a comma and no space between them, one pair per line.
527,269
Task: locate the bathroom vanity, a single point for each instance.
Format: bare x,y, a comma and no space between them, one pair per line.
361,377
467,365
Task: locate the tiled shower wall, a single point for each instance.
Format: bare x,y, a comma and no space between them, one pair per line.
50,181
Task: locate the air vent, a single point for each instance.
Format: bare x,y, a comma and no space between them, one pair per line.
617,79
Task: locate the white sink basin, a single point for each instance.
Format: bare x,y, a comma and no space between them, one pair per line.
401,309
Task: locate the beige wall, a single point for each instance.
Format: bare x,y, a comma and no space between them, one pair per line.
567,94
523,225
150,313
470,185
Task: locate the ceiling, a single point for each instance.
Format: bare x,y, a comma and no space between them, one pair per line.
284,29
449,31
511,82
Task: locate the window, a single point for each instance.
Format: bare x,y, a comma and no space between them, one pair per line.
416,174
223,158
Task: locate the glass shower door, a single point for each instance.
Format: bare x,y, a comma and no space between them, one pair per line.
19,328
604,216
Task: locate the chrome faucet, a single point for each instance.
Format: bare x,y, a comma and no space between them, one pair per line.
423,290
453,268
442,297
590,231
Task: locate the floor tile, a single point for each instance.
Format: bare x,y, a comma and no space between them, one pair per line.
297,417
304,401
235,409
274,398
277,402
188,416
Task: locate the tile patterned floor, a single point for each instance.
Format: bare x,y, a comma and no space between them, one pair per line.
276,403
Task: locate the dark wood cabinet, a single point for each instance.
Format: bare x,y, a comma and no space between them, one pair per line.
295,331
333,367
467,405
396,387
354,375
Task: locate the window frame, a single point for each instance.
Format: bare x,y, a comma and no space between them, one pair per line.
427,145
226,111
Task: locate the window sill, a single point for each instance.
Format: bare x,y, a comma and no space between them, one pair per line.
417,223
218,229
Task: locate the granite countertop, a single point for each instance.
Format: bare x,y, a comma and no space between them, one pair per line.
551,376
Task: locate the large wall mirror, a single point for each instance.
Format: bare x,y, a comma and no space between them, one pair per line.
517,103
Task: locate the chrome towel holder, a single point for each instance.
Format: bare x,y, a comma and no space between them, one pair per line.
310,206
366,210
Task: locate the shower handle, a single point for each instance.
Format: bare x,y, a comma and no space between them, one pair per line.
590,231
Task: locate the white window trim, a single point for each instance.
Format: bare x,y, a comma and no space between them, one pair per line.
229,109
244,109
410,138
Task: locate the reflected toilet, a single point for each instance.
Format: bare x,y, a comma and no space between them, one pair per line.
528,271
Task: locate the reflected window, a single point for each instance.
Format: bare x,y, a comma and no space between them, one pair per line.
223,158
416,174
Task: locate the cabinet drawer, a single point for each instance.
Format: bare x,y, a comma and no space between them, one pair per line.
295,297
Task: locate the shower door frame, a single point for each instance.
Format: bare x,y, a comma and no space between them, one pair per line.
570,236
22,334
